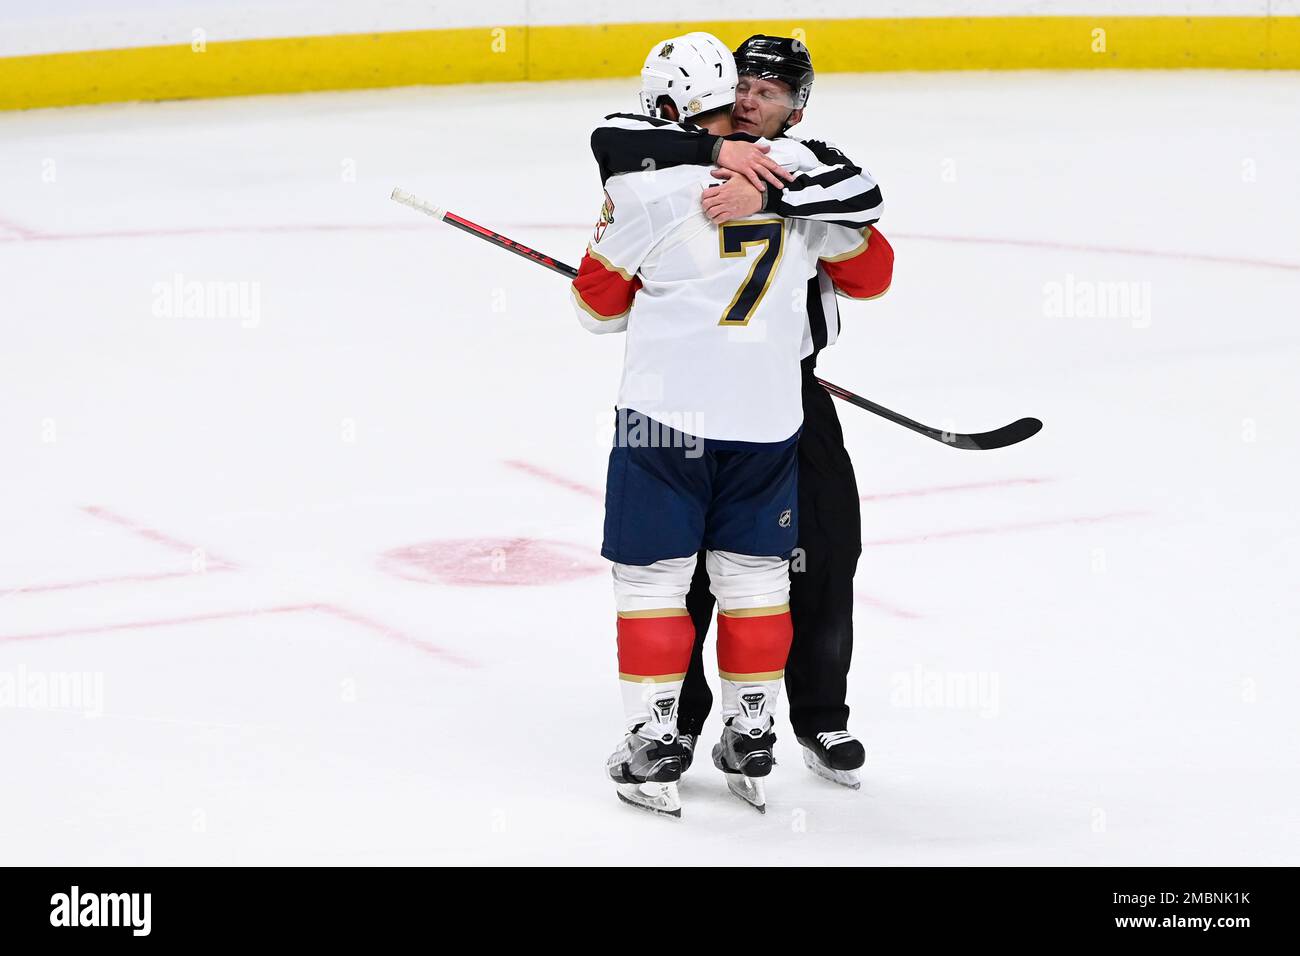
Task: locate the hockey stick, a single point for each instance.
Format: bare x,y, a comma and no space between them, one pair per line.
505,242
1017,431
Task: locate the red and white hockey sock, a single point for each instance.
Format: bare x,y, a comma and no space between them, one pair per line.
655,637
753,644
654,650
754,629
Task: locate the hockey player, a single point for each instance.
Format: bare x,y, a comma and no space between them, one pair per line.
775,80
709,411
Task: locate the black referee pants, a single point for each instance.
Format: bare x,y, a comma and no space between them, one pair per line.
821,582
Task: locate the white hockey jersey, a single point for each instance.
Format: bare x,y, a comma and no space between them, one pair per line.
837,191
715,315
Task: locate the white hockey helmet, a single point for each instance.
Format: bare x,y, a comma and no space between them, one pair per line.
696,71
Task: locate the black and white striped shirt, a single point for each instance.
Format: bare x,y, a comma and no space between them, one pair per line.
839,191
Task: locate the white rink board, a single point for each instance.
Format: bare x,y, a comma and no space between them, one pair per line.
1119,590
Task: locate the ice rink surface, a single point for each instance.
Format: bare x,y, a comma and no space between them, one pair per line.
323,561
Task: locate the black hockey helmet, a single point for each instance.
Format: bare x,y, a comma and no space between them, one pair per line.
778,58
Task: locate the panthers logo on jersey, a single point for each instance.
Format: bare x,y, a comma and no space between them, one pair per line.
606,217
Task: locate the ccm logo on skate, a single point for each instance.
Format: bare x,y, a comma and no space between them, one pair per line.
102,909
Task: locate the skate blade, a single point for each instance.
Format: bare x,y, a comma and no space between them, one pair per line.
845,778
655,797
749,789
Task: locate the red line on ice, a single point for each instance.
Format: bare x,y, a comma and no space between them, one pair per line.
1024,244
537,471
941,489
154,622
152,534
892,610
98,582
1105,250
214,564
28,235
392,633
1005,528
333,610
22,234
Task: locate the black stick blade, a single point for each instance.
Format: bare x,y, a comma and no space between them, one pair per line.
1011,434
1017,431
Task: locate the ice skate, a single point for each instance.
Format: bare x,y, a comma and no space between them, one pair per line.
648,762
744,754
835,755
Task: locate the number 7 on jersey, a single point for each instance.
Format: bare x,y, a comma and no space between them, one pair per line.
734,240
